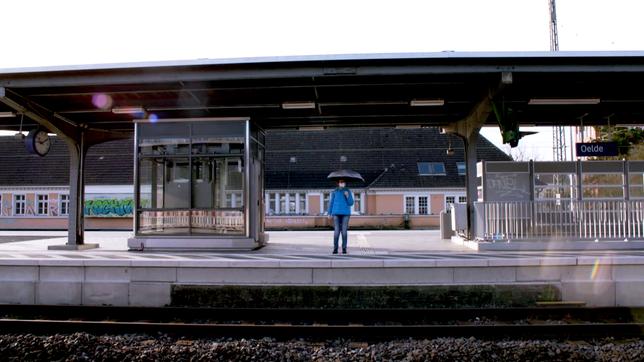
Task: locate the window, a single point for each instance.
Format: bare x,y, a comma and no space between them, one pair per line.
42,205
551,186
325,203
271,206
422,205
291,203
64,204
449,200
302,203
431,168
636,182
282,203
416,204
410,204
453,199
461,167
19,204
603,185
356,208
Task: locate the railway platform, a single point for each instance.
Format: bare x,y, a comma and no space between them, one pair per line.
111,275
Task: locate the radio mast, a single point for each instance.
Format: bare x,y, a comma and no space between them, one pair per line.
558,132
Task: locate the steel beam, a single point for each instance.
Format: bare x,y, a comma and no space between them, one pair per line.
78,139
468,130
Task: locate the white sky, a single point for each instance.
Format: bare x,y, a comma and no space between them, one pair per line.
45,32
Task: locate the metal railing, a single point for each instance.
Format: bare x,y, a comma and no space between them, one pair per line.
561,220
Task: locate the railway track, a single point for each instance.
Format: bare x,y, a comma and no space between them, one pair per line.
367,324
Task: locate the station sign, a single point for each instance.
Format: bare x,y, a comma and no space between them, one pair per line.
597,149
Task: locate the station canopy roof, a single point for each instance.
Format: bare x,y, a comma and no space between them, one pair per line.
434,89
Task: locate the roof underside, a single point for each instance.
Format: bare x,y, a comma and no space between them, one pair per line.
347,91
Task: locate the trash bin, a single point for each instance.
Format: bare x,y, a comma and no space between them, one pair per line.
446,225
459,217
406,221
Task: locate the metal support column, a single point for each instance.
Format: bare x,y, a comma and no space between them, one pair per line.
471,190
468,130
76,230
78,138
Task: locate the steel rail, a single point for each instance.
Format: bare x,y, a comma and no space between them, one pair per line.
359,332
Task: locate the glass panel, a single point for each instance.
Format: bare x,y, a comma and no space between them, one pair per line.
177,184
302,204
555,186
64,204
164,138
636,182
424,168
603,179
409,204
282,198
356,203
171,222
192,179
438,168
291,203
219,131
203,186
461,167
553,192
218,222
151,183
229,183
449,200
272,201
601,192
422,205
431,168
325,196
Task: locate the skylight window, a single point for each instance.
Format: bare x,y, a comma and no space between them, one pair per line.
431,169
460,166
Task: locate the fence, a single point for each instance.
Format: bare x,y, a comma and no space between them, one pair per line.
215,221
561,220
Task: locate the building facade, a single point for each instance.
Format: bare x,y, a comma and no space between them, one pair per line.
409,175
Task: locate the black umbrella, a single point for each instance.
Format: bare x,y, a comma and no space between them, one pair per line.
345,175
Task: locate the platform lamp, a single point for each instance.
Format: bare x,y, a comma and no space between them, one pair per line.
19,135
450,150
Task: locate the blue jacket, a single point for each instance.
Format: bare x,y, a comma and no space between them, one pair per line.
339,204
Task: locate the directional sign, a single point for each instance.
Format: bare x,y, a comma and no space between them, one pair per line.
597,149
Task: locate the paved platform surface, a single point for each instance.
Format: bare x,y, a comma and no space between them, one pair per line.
111,275
283,245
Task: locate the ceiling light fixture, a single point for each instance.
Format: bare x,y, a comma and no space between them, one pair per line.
7,114
426,102
311,128
407,126
128,110
562,101
298,105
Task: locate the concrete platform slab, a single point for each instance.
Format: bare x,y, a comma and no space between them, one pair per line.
111,275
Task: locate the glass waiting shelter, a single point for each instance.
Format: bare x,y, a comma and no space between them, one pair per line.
198,184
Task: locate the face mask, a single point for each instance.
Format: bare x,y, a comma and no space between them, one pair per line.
342,184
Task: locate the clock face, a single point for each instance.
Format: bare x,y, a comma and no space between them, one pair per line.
38,142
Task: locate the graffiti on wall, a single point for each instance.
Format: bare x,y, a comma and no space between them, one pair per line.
109,207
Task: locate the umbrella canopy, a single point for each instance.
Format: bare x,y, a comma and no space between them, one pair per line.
345,175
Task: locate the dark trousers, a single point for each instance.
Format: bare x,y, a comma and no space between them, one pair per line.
340,224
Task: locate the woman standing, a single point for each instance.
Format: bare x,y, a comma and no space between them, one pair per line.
340,202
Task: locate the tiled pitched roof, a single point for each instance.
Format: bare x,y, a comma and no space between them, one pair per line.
386,158
110,163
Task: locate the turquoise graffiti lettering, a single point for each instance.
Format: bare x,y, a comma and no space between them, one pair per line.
109,207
